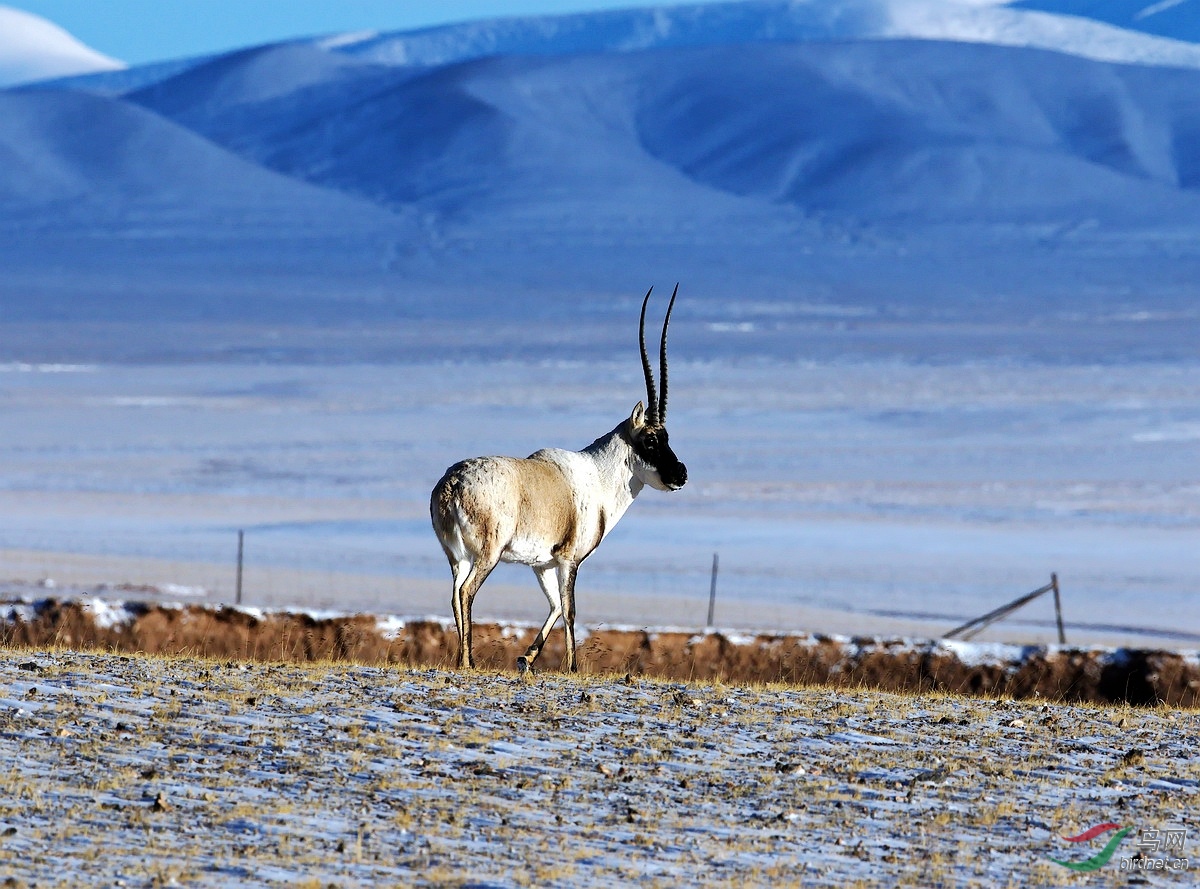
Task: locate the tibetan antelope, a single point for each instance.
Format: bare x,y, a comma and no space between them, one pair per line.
551,510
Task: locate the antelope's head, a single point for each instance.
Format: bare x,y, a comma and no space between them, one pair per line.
654,461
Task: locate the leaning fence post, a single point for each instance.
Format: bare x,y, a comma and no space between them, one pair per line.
712,591
241,539
972,628
1062,637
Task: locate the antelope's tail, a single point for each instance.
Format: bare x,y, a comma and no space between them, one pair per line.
446,515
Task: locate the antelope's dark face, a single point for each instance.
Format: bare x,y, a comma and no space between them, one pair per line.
657,464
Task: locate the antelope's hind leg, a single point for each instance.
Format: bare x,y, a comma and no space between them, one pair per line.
468,578
461,571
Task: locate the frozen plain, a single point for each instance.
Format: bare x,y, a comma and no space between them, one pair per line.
151,772
842,496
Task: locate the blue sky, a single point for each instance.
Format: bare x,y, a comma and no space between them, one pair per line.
138,31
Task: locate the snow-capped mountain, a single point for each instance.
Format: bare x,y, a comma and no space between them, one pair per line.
904,157
32,48
1084,33
1176,19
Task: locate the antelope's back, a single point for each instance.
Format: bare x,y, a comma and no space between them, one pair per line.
503,507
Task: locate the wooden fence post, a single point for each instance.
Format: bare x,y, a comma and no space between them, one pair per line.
712,591
241,540
1062,637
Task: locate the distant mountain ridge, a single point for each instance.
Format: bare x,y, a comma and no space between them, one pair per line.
806,156
758,21
885,130
1080,27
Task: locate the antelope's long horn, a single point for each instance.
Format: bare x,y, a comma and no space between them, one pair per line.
662,359
651,397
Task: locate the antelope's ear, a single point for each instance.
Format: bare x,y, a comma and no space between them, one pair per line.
638,418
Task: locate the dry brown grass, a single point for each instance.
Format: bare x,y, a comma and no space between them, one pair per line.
1139,677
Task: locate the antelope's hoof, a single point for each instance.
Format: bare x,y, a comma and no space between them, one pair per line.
523,666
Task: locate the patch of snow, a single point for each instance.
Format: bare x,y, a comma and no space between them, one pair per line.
345,40
45,368
176,589
849,736
1175,19
314,614
1156,8
1182,432
107,615
983,654
390,627
32,48
25,611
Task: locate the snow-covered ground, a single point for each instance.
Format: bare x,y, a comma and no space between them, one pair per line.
132,771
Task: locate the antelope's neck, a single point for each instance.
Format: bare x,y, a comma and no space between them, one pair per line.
612,455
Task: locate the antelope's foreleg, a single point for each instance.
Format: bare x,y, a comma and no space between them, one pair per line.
566,579
548,580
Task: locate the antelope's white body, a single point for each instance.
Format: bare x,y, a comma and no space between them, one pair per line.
552,506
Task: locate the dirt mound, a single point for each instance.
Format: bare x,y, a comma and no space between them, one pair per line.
1132,676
